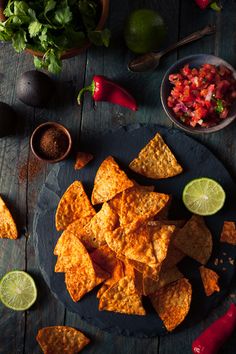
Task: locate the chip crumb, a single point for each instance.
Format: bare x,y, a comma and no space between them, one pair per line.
232,296
224,254
82,159
231,261
224,269
216,261
221,261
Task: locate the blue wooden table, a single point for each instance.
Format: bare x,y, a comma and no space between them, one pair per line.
21,177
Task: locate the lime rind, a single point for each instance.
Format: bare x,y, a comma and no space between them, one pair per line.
18,290
203,196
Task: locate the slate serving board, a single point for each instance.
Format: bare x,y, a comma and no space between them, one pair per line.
124,144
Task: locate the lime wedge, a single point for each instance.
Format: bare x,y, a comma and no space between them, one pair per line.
17,290
203,196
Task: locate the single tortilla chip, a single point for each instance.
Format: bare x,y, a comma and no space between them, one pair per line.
80,281
105,220
122,297
73,205
82,159
134,242
8,227
156,160
173,257
61,339
172,302
166,277
161,235
137,202
109,181
71,253
169,276
195,239
209,280
149,286
228,233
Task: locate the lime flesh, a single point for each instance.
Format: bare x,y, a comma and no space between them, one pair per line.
17,290
203,196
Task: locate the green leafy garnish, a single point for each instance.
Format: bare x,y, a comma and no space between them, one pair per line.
52,27
219,106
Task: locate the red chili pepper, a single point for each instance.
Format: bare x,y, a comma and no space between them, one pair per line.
210,341
203,4
103,89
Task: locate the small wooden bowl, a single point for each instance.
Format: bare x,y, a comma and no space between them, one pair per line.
73,51
36,134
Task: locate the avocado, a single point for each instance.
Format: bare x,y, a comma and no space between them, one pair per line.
7,119
34,88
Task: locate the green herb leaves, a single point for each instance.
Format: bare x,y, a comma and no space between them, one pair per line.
52,27
219,106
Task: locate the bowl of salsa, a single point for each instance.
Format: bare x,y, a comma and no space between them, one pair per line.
198,93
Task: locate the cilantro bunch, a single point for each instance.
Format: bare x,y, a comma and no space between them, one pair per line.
52,27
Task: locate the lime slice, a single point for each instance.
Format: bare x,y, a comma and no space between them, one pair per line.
203,196
17,290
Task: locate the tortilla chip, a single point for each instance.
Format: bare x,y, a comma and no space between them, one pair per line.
177,223
161,235
82,159
77,229
7,224
107,260
209,280
169,276
61,339
134,242
80,281
173,257
138,202
166,277
71,253
109,181
149,286
115,203
73,205
172,302
195,239
122,297
228,233
105,220
156,160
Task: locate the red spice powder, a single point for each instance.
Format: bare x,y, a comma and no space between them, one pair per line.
30,169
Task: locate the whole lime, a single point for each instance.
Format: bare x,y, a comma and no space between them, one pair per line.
144,31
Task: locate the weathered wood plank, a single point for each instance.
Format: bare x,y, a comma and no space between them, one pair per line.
63,108
12,255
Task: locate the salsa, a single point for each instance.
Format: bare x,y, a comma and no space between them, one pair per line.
202,96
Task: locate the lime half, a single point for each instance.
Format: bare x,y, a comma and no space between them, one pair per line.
17,290
203,196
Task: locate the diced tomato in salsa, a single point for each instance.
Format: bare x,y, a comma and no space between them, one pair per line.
202,96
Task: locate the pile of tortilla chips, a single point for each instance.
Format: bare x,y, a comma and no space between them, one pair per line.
128,246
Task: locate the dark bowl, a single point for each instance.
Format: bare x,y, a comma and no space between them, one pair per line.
72,52
35,138
194,61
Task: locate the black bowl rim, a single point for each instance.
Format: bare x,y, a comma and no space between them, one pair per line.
186,128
